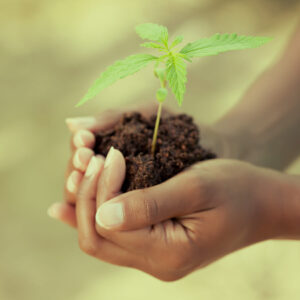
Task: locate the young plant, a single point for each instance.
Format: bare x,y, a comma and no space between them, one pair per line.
170,64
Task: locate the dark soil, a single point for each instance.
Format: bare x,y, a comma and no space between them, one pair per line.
177,148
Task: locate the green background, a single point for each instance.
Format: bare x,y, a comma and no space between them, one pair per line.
50,52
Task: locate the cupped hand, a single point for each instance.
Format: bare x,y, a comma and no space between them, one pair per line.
83,140
83,131
187,222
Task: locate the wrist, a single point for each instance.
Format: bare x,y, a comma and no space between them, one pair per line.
290,208
280,206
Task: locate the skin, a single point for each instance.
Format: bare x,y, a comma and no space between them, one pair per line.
211,209
189,221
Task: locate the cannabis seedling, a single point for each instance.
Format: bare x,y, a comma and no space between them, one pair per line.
170,65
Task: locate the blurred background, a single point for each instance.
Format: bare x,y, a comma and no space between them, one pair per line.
50,52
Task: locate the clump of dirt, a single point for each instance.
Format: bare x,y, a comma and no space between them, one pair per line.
177,148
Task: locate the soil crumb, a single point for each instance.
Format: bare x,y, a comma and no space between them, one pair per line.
177,148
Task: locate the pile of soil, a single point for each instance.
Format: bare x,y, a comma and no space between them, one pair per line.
177,148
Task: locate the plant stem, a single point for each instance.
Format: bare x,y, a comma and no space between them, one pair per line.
154,139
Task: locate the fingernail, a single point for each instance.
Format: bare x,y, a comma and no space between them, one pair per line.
82,157
94,166
79,123
110,215
73,182
83,138
53,210
109,157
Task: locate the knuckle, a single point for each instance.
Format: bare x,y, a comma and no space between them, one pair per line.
81,194
71,199
151,209
88,246
198,186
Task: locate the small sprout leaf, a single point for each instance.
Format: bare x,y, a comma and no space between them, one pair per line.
116,71
173,71
152,45
152,32
186,57
176,76
177,41
221,43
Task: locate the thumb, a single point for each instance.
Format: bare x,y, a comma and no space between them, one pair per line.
141,208
109,186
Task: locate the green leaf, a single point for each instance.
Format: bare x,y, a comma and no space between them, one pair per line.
152,32
221,43
176,76
118,70
177,41
152,45
186,57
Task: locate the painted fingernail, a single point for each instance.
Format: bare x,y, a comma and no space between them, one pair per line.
53,210
73,182
79,123
109,157
84,138
110,215
94,166
81,158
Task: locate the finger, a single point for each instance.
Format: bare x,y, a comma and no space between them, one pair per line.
141,208
63,212
109,186
72,185
76,166
90,242
81,158
109,118
85,207
112,177
102,122
111,180
69,197
84,138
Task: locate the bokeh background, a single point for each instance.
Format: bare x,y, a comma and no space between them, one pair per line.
50,52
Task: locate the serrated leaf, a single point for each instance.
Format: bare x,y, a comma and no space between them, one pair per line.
118,70
152,45
177,41
152,32
185,57
176,76
221,43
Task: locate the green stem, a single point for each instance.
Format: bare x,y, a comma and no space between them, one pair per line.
154,139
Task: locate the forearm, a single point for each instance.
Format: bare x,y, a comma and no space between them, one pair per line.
266,122
279,202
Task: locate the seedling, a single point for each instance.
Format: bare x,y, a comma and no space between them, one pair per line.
170,64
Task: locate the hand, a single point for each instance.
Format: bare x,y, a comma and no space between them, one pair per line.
82,143
187,222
